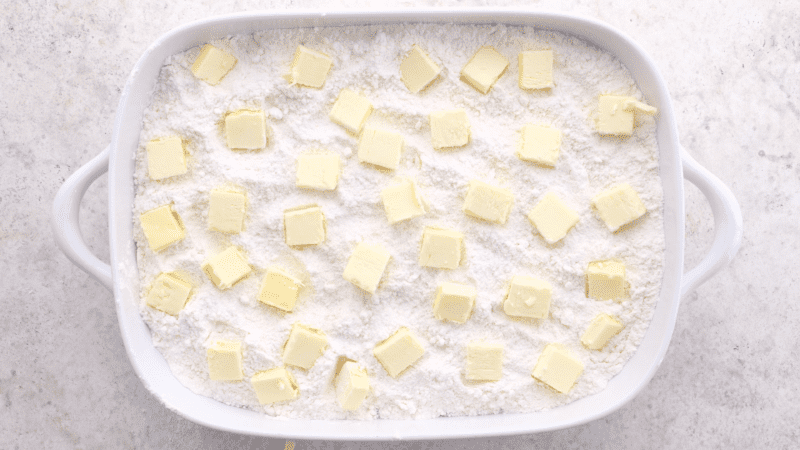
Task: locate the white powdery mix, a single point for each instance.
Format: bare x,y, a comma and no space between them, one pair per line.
367,60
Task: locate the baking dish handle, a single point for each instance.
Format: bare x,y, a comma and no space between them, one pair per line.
66,207
727,223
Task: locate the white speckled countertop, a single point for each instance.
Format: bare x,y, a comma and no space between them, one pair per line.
729,379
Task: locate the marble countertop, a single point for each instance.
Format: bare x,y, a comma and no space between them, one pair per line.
729,378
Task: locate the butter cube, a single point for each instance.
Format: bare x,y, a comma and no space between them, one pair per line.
279,289
226,268
605,280
318,171
552,218
600,331
225,361
246,129
366,266
487,202
168,293
352,386
484,361
165,158
402,201
274,385
398,352
380,147
212,64
558,368
536,69
226,211
540,144
528,297
441,248
350,110
485,67
309,67
418,70
449,129
162,226
304,346
304,225
454,302
619,206
614,118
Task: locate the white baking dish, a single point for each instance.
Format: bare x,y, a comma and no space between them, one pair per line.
118,159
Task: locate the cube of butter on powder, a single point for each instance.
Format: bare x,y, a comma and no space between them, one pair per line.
366,266
304,225
246,129
528,297
380,147
484,361
226,211
449,128
540,144
224,359
600,331
309,67
352,386
418,70
616,114
402,201
454,302
619,206
484,69
488,202
552,218
350,110
279,289
304,346
274,385
441,248
165,158
162,226
398,352
605,280
168,293
536,69
212,64
226,268
558,368
318,171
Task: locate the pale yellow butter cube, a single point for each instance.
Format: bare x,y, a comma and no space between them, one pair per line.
350,110
605,280
552,218
398,352
352,386
168,293
418,70
484,361
402,201
380,147
279,289
226,211
540,144
275,385
536,69
600,331
558,368
304,346
613,117
309,67
318,171
528,297
484,69
619,206
441,248
304,225
226,268
212,64
366,266
162,226
449,128
165,158
488,202
225,361
454,302
246,129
